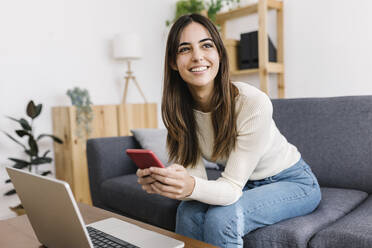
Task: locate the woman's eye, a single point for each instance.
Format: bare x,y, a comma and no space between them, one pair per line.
183,49
207,45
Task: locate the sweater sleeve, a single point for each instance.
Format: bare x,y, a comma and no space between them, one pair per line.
253,125
199,170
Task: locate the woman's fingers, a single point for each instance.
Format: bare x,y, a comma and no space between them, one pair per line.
166,188
177,167
169,172
167,180
170,193
143,173
172,182
145,180
148,189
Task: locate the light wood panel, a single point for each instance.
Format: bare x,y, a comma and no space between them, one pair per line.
244,72
108,121
62,128
232,51
263,48
275,67
246,10
136,116
280,50
274,4
236,13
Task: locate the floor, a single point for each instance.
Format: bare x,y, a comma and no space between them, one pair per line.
6,201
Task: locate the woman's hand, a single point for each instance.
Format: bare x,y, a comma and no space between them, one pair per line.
145,179
172,182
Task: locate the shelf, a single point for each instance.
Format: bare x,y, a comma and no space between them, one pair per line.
272,67
265,67
243,72
246,10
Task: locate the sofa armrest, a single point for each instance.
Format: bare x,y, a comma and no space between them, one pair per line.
107,159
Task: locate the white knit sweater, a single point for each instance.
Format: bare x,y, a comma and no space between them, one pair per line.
261,150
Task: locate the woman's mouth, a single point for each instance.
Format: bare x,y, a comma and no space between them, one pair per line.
199,69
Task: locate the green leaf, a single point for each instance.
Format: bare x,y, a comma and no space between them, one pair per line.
46,153
38,109
34,149
55,138
10,192
32,110
19,160
25,124
16,141
20,166
45,173
22,133
43,160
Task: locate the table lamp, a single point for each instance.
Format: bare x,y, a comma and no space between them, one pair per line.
127,47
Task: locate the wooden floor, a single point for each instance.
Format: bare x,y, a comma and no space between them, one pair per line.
6,201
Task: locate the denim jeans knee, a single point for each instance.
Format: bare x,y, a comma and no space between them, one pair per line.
291,193
190,219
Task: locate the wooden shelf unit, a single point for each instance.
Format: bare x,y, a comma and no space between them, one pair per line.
265,67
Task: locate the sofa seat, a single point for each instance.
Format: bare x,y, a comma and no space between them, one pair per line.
124,195
297,232
354,230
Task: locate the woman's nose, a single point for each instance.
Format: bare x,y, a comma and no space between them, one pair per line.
197,55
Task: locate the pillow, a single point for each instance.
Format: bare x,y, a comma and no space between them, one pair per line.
155,139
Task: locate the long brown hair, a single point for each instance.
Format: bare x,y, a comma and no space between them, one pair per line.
177,103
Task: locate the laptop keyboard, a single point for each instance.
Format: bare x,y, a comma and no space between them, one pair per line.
104,240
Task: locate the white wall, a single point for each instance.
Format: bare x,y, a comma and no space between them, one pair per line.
47,47
328,47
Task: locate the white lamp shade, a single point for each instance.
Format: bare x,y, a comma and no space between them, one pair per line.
127,46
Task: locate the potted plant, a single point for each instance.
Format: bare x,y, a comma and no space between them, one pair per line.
84,114
208,8
31,147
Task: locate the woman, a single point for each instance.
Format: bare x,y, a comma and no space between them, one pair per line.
264,180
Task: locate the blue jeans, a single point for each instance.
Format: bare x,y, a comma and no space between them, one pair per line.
291,193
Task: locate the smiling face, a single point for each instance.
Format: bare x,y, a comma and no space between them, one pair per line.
197,58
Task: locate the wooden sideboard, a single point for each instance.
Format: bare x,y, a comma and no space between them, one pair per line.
108,121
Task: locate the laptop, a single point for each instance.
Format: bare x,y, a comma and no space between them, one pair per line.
57,222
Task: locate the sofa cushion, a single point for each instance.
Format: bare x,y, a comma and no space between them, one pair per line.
333,135
125,196
353,230
296,232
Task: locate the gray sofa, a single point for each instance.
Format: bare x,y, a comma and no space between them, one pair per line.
334,136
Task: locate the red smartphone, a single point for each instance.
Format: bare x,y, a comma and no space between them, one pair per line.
144,158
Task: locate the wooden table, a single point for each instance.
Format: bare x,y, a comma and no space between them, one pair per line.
17,232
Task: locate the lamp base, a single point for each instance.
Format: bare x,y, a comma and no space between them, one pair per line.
129,77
